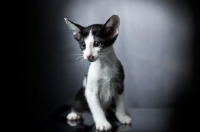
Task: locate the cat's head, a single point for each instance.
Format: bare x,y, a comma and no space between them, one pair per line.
95,39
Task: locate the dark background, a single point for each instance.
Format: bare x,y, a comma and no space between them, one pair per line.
158,45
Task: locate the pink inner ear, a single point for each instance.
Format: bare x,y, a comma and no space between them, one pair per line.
77,36
113,22
111,32
111,25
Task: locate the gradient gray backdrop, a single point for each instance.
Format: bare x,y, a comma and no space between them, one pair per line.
156,46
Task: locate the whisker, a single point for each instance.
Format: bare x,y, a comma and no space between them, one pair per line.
74,54
78,58
81,60
104,58
101,59
78,62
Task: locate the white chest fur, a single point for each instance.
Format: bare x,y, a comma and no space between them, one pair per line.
106,92
100,79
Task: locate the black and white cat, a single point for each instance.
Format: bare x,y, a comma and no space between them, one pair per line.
103,86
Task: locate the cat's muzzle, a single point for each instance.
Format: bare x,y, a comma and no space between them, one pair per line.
92,59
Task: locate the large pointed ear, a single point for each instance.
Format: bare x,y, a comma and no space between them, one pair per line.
111,26
76,28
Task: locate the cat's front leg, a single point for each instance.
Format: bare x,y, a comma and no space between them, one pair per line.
121,113
96,109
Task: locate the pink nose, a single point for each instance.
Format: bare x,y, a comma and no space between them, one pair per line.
88,56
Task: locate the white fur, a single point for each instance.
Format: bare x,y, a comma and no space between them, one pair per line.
73,116
89,41
84,82
90,49
121,113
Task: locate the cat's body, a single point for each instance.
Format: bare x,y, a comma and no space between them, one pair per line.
104,82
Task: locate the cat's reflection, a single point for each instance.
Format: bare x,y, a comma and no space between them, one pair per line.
80,126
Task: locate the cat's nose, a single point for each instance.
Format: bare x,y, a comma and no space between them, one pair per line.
89,56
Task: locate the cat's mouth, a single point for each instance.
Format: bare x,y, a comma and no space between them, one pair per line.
92,59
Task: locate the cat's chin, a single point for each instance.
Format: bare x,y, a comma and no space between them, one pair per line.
92,60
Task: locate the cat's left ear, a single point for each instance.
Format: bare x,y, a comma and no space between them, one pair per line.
111,26
76,28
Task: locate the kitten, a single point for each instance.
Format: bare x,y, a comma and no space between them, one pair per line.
103,86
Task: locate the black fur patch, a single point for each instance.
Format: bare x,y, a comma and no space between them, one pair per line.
80,103
120,79
99,34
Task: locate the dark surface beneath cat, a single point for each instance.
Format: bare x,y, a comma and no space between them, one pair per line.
153,120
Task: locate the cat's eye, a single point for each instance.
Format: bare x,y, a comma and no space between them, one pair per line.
97,44
82,45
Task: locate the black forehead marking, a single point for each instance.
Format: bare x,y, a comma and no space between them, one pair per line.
96,28
99,35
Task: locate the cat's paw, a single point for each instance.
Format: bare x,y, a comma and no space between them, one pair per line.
103,126
124,128
73,122
124,119
73,116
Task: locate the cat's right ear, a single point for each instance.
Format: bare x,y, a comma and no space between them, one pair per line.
111,26
76,28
